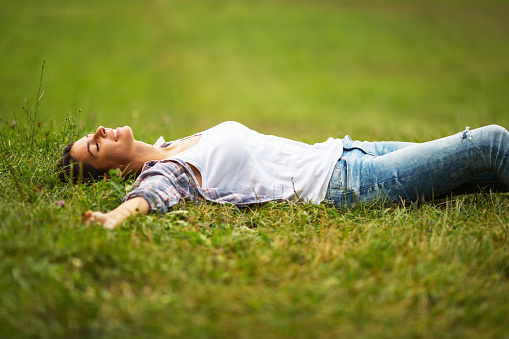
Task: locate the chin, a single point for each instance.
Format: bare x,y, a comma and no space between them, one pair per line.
126,131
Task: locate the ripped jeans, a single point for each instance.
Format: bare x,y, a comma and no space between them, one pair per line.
391,171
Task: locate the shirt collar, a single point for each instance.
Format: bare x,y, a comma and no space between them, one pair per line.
160,143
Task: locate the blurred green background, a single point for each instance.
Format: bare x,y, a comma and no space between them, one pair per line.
380,69
409,70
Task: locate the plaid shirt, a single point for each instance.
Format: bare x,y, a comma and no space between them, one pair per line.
165,183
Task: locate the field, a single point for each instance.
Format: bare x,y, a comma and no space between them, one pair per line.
377,70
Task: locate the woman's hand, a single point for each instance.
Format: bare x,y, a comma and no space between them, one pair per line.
116,217
102,218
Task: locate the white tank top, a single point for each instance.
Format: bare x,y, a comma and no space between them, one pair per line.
235,157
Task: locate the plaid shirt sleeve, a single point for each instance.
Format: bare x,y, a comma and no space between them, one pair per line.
166,183
163,184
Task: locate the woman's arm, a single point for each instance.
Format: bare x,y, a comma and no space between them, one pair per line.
117,216
160,187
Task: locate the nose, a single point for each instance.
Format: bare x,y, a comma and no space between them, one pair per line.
100,132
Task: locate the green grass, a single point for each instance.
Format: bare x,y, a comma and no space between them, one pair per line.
387,69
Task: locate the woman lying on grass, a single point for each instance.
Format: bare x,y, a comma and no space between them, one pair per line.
230,163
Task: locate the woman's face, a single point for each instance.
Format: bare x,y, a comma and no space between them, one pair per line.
106,149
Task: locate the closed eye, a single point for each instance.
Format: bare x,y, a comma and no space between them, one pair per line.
97,145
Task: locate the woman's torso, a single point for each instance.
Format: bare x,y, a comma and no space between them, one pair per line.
234,157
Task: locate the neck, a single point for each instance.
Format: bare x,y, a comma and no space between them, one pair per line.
144,152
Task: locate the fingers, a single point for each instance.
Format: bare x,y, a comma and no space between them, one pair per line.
105,219
98,217
92,216
88,216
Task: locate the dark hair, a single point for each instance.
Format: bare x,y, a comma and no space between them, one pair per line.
76,171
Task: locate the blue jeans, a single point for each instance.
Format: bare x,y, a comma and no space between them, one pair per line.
416,172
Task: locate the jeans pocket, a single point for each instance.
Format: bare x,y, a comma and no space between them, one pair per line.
339,175
338,193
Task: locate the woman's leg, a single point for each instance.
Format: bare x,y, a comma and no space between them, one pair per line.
481,183
424,171
375,148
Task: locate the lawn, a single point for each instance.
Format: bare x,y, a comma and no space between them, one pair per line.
386,69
